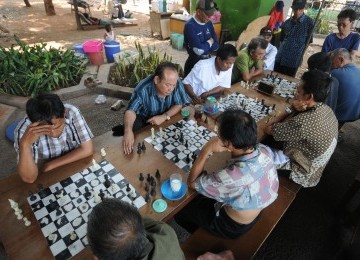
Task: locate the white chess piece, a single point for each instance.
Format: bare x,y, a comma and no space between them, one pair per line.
161,132
103,152
73,235
13,204
19,216
27,222
152,133
95,166
97,198
215,128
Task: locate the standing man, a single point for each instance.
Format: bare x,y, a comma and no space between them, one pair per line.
344,38
199,35
211,76
154,100
271,51
295,34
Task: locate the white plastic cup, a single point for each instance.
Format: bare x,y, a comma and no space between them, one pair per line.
175,182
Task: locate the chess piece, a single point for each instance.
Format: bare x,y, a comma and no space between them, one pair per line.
157,174
215,128
107,182
143,147
113,187
181,139
73,235
102,152
102,195
128,189
204,132
19,215
139,150
188,159
97,198
153,192
132,194
146,187
52,237
141,177
148,179
152,133
58,211
13,204
186,144
26,222
161,132
32,196
147,198
87,193
274,107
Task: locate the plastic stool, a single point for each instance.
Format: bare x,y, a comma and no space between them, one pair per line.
9,132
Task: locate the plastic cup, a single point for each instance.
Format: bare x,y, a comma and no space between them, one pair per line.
175,182
199,110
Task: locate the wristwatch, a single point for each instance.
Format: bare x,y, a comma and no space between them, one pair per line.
167,116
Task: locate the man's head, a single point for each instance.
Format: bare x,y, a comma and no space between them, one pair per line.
225,57
257,48
115,231
165,78
298,7
320,61
266,32
45,107
237,130
340,57
314,87
204,10
345,21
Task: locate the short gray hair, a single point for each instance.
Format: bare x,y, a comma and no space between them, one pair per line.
341,52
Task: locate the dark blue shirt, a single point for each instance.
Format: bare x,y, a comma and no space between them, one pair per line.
146,102
196,36
348,107
350,42
295,34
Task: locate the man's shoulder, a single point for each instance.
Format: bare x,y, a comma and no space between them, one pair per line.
144,85
331,36
355,36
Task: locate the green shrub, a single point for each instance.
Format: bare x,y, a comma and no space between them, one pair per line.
322,25
29,70
130,71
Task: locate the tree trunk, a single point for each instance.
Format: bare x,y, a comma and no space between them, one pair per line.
27,3
49,7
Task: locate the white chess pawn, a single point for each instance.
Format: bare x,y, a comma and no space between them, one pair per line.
19,216
152,133
13,204
73,235
103,152
27,222
215,128
97,198
161,132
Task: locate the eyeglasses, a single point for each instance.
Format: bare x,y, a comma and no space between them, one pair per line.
343,24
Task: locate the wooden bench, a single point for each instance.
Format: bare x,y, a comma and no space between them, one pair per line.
246,246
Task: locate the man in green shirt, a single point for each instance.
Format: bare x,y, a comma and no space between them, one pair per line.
249,63
116,230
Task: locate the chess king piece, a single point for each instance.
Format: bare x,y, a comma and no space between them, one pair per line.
102,152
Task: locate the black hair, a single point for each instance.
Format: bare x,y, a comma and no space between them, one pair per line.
320,61
239,128
257,42
115,230
159,71
108,27
317,83
44,107
226,51
347,13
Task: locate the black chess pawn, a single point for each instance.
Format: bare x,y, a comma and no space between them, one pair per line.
267,110
143,146
274,106
153,183
87,193
147,198
148,178
58,211
102,195
128,189
153,192
242,102
141,177
188,160
203,132
176,159
146,187
194,156
263,108
40,187
262,101
139,150
249,112
157,174
186,144
163,149
32,196
181,139
107,182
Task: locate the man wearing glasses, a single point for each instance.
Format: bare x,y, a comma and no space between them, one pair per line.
344,38
199,35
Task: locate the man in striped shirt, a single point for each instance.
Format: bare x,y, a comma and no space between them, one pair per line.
51,135
154,100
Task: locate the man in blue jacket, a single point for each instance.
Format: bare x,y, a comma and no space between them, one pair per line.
199,35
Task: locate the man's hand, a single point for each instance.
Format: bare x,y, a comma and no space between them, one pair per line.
196,100
33,132
204,95
128,142
157,120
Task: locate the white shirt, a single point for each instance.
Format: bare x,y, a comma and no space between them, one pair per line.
269,59
203,77
110,36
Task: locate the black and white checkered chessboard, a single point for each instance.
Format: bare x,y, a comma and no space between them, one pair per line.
181,152
63,210
256,108
283,87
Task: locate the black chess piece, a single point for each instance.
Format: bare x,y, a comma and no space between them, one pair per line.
263,108
139,151
153,183
147,198
102,195
267,110
203,132
146,187
40,187
194,156
153,192
128,189
262,101
242,102
143,146
157,174
107,182
163,149
274,106
186,144
32,196
141,177
58,211
188,158
249,112
176,159
148,179
87,193
181,139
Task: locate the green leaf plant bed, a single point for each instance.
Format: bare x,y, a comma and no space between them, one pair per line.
28,70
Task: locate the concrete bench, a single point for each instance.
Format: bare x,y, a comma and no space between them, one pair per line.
246,246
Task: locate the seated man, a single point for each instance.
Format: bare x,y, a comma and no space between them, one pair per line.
116,230
321,61
271,51
211,76
310,135
348,75
233,197
249,63
51,130
154,100
345,38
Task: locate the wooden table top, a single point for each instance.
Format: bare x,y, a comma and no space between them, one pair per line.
20,241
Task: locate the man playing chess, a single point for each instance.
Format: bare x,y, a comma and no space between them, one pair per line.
51,135
154,100
212,76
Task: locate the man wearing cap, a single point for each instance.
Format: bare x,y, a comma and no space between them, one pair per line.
271,51
295,35
199,35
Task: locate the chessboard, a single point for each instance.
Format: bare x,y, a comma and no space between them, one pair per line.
62,209
283,87
256,108
181,142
